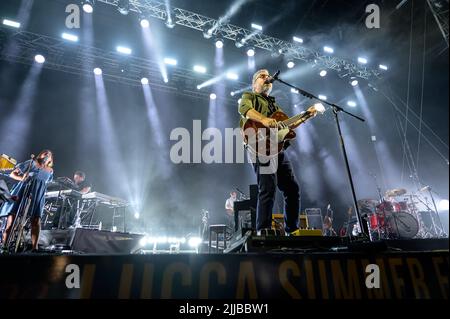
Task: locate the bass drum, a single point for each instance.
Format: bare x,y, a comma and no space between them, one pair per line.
402,225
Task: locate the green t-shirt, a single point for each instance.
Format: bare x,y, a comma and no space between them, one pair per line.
264,105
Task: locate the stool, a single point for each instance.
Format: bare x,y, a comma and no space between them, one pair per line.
218,229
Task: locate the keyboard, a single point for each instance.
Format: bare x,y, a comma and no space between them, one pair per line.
105,199
66,193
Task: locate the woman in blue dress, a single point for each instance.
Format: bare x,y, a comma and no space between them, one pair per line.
36,173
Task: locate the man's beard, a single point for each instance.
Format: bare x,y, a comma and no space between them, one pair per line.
267,88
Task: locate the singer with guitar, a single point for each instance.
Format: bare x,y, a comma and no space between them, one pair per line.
259,110
34,173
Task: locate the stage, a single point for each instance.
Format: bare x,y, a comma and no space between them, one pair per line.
353,271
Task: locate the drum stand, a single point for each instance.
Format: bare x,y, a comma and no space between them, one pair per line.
438,230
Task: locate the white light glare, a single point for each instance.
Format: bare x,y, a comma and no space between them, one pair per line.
232,93
232,76
194,241
354,82
250,52
199,69
123,50
212,96
88,8
170,61
256,26
297,39
145,23
383,67
144,81
97,71
322,97
11,23
70,37
290,64
136,215
328,49
39,58
323,73
219,44
351,103
294,91
443,205
362,60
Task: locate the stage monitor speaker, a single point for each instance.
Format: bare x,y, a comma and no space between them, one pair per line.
90,241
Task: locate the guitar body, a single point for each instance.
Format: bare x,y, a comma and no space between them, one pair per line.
255,134
266,142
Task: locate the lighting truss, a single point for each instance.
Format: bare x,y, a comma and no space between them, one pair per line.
439,8
80,59
294,50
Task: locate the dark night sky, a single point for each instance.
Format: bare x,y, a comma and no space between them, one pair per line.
64,115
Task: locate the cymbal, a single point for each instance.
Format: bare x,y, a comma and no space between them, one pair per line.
395,192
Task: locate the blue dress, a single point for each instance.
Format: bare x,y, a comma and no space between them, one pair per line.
38,179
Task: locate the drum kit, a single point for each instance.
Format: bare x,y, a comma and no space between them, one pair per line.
398,216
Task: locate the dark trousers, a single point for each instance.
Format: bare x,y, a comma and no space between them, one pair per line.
285,179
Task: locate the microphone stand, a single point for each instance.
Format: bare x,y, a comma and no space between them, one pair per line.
336,110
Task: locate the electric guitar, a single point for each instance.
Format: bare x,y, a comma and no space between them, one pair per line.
263,141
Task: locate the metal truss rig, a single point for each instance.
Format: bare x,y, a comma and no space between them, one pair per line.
255,39
20,46
439,8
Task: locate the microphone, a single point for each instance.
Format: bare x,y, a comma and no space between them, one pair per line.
272,78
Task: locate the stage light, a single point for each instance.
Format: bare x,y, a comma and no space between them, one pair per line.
194,242
143,241
144,81
39,58
383,67
123,50
145,23
136,215
232,76
322,97
362,60
323,73
11,23
166,80
232,93
290,64
97,71
123,6
443,205
328,49
257,26
250,52
170,61
88,6
212,96
351,103
240,42
296,39
219,43
69,37
198,87
354,82
294,91
199,69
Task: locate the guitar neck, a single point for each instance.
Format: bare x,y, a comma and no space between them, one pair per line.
302,117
